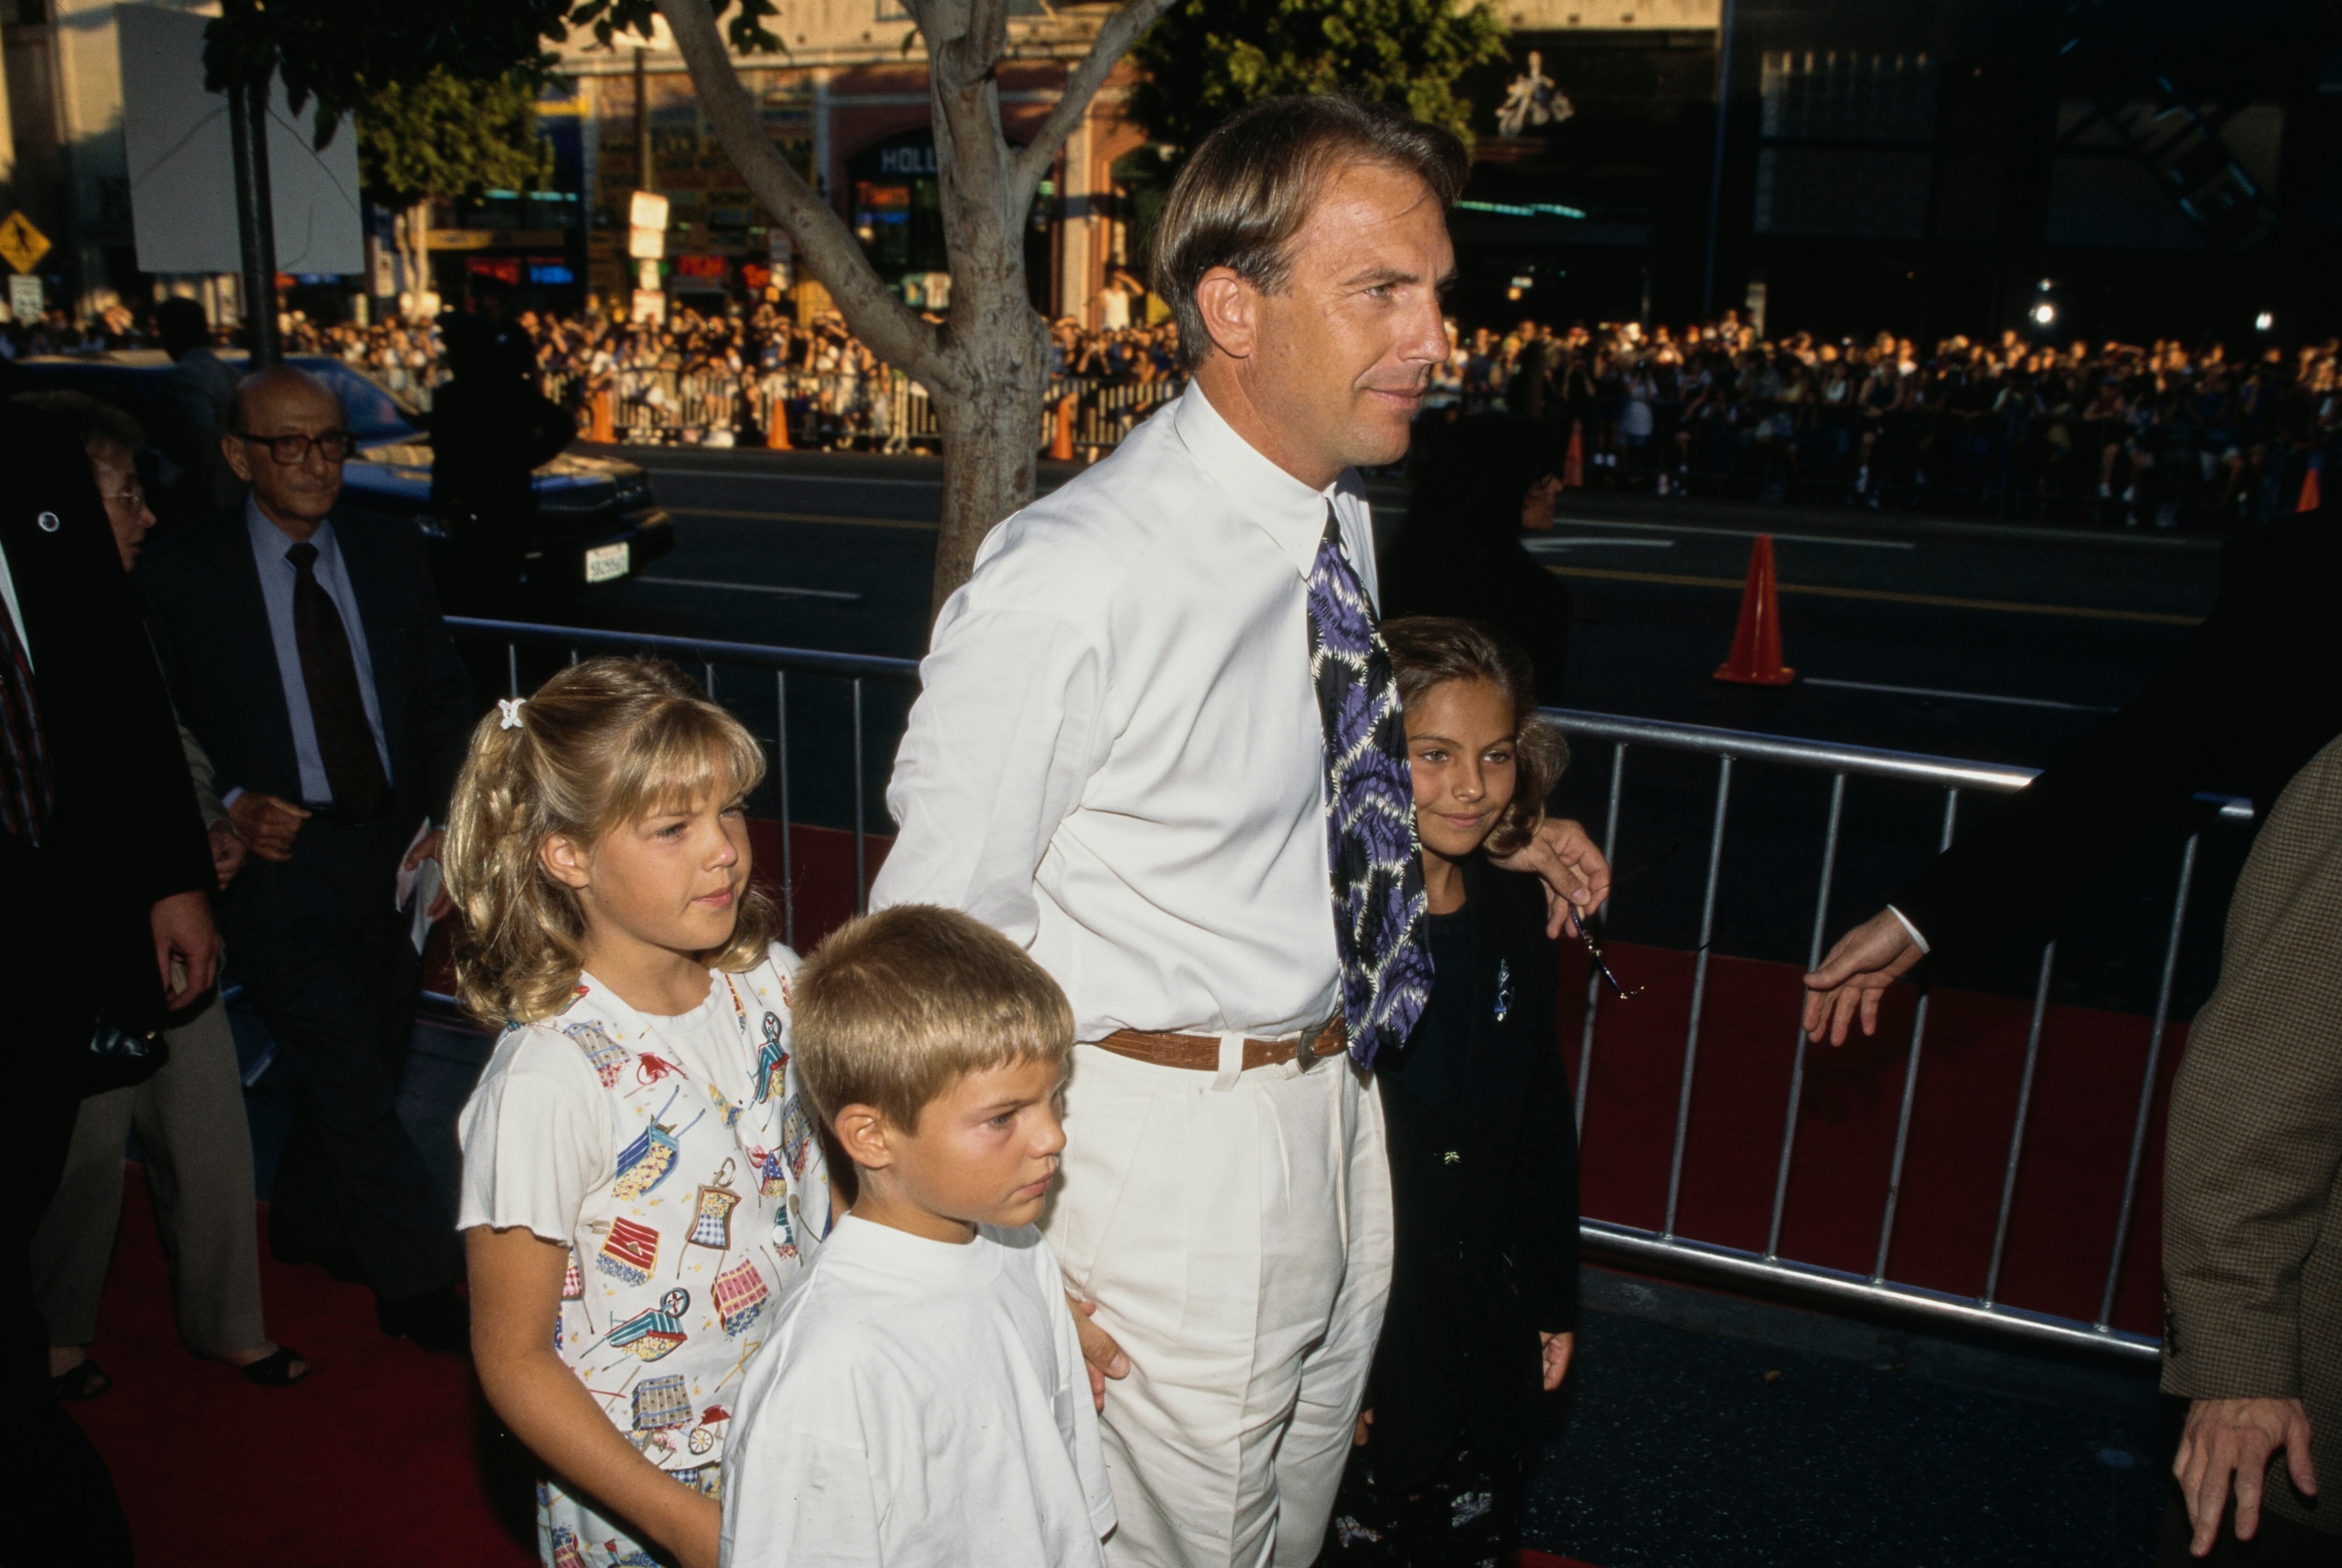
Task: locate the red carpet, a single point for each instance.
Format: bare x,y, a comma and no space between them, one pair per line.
377,1458
2069,1183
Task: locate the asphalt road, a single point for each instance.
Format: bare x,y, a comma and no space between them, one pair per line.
1972,641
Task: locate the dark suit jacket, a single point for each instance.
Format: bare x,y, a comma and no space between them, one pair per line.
1485,1206
125,831
211,625
2254,693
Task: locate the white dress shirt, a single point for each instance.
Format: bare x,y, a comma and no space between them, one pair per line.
1116,757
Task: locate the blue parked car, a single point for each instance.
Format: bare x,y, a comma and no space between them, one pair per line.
596,521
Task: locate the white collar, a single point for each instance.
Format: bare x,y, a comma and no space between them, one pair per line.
1289,511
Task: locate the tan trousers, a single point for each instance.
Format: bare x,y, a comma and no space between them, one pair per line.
191,1126
1235,1232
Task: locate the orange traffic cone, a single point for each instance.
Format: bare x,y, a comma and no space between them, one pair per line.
2309,494
605,421
1756,658
1061,447
1572,466
777,428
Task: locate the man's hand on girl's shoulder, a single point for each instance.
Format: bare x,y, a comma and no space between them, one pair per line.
1575,875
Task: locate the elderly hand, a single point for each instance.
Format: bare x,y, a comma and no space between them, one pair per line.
1575,875
183,932
1866,960
268,823
227,853
2227,1438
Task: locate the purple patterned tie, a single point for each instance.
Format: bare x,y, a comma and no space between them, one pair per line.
1379,904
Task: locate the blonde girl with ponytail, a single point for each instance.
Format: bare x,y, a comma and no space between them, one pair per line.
640,1178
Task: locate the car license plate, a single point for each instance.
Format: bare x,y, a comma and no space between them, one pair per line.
608,563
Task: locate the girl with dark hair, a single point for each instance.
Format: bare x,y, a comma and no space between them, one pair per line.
1478,483
1482,1135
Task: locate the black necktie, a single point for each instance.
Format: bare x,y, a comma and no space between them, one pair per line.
26,793
336,708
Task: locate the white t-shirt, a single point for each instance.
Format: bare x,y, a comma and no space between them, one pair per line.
919,1403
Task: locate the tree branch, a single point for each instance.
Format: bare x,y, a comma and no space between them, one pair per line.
1082,84
831,253
965,61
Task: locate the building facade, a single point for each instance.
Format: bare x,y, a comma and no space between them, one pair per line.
848,105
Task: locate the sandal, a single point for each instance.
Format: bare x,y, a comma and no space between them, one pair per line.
276,1370
83,1380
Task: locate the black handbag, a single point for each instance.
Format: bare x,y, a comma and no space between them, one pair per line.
122,1056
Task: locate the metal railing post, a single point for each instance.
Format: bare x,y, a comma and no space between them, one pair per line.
1593,972
2016,1131
1910,1083
861,874
1797,1060
2147,1080
1698,989
781,775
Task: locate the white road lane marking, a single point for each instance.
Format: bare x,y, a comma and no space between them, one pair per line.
1689,527
775,589
1555,546
1959,697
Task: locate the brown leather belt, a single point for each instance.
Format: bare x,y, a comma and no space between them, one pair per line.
1201,1053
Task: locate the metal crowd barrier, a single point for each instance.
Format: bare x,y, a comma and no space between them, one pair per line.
1665,1246
884,410
854,669
1662,1248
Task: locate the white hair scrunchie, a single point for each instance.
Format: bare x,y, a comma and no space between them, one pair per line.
508,712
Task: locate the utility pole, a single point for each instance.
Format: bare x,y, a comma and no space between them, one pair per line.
1716,170
255,220
643,178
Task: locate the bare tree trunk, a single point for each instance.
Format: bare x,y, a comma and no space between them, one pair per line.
986,367
414,229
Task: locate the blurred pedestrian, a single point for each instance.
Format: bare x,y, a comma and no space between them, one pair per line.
1477,484
198,397
492,427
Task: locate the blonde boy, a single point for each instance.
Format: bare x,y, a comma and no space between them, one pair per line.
922,1399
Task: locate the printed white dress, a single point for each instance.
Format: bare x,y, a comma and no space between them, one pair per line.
677,1160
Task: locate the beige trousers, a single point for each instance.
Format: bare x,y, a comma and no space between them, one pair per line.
1235,1232
190,1127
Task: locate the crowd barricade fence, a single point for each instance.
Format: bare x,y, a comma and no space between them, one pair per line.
740,674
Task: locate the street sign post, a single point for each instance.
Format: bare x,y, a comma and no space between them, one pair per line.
25,298
20,244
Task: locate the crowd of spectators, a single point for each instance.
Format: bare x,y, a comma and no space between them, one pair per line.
2155,436
2161,435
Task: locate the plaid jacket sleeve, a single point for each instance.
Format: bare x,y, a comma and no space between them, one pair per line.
2250,1217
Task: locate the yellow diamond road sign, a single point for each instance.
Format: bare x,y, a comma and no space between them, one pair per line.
20,244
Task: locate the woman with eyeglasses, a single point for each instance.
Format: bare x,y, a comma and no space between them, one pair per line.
1483,1139
190,1116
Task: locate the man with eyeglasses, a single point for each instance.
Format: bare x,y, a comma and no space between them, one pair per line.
304,644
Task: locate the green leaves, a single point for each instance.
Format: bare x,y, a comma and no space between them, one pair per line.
1206,58
340,55
445,136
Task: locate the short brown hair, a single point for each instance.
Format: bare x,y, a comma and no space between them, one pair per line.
895,1005
1250,186
1429,650
603,743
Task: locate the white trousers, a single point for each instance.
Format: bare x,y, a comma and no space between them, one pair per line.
1235,1232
